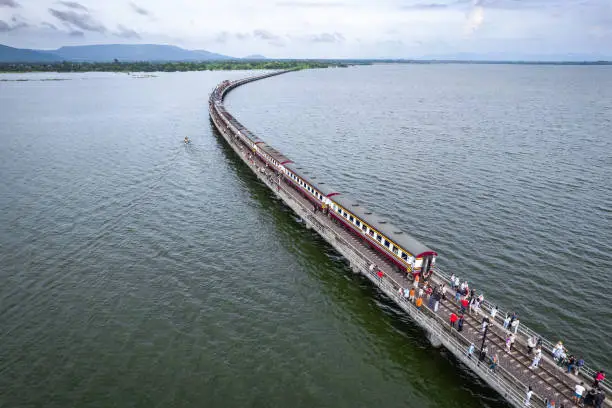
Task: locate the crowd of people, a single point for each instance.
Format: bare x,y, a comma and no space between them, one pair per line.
470,303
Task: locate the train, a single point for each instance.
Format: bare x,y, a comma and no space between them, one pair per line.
405,252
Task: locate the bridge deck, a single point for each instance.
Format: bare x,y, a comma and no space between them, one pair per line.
512,373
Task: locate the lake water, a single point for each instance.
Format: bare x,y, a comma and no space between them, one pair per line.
138,271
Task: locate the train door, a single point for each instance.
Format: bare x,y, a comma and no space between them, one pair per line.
426,265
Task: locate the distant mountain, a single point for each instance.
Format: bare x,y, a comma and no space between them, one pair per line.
211,55
255,57
10,54
108,53
134,52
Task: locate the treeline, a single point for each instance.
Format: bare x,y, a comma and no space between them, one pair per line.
144,66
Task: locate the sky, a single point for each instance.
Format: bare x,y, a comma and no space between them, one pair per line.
498,29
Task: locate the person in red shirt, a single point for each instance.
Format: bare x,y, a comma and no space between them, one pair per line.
380,274
464,305
453,319
599,377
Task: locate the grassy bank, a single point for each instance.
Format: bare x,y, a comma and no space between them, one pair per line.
162,66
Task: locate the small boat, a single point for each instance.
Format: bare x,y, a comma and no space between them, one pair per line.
187,141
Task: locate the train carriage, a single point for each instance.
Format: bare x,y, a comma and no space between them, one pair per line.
404,250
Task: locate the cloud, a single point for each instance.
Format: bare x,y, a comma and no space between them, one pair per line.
140,10
73,5
48,25
6,27
326,38
9,3
425,6
225,36
80,20
309,4
271,38
76,33
475,17
125,32
265,35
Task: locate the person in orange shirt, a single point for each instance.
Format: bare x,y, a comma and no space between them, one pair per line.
411,295
416,280
419,303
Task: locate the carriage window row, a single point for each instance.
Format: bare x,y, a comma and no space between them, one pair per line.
306,186
379,237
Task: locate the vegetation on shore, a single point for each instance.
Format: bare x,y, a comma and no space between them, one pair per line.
146,66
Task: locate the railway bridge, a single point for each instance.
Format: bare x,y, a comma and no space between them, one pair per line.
511,377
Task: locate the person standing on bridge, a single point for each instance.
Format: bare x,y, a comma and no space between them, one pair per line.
453,319
571,363
579,365
515,325
513,317
493,312
483,354
472,304
416,280
408,294
528,397
599,399
470,351
531,343
464,305
419,302
494,362
578,391
599,377
485,323
460,323
536,359
506,322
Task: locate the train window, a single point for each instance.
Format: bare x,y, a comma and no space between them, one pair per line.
351,218
371,232
364,228
387,243
379,237
358,223
339,210
395,251
404,256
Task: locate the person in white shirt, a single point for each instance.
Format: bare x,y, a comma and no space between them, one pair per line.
528,397
493,313
578,391
514,326
506,322
531,343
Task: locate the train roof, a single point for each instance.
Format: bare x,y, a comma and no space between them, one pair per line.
323,187
253,138
276,155
404,240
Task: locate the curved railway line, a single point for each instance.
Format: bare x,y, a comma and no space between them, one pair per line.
364,239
